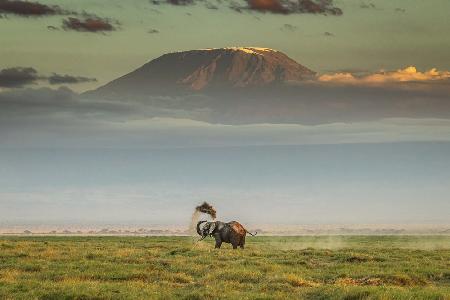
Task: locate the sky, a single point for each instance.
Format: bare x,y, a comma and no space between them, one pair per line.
368,36
366,141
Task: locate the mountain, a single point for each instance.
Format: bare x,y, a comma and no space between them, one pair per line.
247,85
208,70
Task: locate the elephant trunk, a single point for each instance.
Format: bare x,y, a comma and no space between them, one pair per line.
198,227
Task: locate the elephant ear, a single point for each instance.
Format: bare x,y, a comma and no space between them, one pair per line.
212,228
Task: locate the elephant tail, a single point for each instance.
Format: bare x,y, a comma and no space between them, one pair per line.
252,234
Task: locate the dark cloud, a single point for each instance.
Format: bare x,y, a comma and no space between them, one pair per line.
237,7
367,5
89,24
288,27
211,6
312,103
45,102
325,7
43,117
17,77
83,21
28,98
51,27
180,2
68,79
273,6
28,9
319,7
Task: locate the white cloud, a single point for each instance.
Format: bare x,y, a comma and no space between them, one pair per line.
408,74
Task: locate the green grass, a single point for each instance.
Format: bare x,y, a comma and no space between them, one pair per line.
348,267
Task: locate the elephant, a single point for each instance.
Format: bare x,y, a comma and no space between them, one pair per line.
232,232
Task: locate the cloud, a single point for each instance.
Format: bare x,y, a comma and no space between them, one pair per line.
354,71
367,5
319,7
17,77
211,6
58,118
309,103
88,24
68,79
408,74
325,7
51,27
312,114
28,9
25,106
273,6
180,2
288,27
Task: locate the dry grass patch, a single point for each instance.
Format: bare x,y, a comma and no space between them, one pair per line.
348,281
126,252
240,275
405,280
180,278
9,275
297,281
394,280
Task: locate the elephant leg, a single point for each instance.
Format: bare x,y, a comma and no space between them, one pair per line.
242,242
235,242
218,243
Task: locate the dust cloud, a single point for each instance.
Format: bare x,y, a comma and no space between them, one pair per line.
204,208
207,209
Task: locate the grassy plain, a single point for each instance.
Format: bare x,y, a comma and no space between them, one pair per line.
316,267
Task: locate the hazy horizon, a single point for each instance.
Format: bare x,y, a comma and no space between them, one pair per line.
305,184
